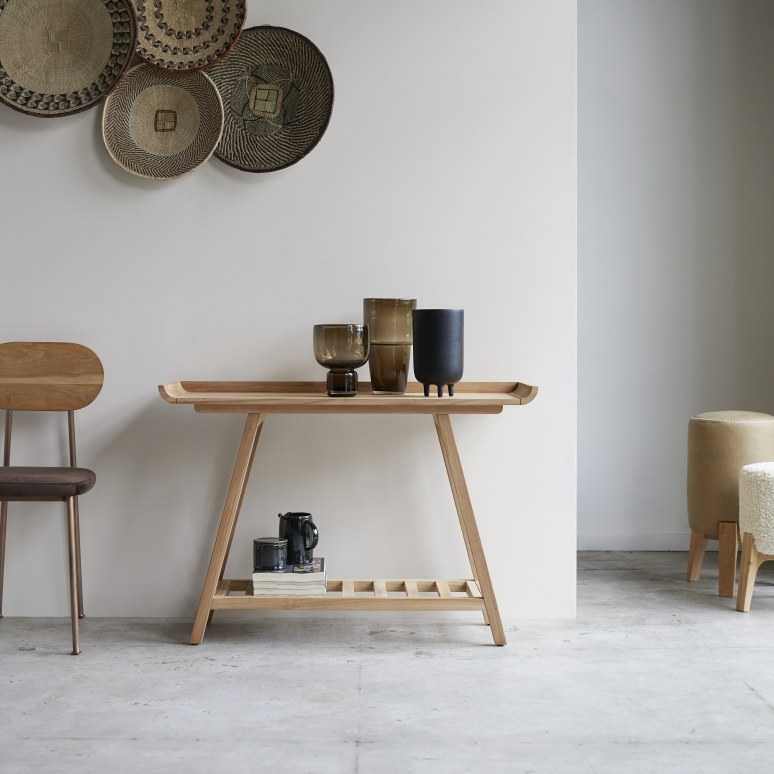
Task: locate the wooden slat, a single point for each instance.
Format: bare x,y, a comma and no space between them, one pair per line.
240,585
472,589
411,589
389,584
380,589
443,589
348,588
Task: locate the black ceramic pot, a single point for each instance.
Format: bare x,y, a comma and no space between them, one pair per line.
269,554
438,347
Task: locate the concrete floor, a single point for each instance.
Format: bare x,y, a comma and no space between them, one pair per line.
654,675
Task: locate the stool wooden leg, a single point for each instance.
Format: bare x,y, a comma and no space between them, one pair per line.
696,556
752,559
728,546
748,569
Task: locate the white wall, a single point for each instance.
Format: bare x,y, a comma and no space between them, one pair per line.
447,173
676,187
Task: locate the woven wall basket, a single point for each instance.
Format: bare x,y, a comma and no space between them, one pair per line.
277,92
61,56
187,34
159,124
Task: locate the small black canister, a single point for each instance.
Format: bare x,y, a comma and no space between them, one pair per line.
269,553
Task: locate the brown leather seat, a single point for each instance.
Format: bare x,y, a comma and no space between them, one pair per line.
45,483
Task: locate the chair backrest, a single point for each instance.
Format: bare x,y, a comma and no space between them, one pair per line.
48,376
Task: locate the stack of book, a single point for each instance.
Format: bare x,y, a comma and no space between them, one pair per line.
302,580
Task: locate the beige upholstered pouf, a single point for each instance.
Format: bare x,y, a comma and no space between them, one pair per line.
720,443
756,525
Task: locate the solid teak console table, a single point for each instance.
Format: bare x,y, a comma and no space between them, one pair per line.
256,400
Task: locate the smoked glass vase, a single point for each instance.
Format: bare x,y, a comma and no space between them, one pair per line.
341,348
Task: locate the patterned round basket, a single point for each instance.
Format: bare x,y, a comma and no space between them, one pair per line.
59,57
159,124
277,92
187,34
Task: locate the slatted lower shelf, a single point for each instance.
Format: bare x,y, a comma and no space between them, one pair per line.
358,595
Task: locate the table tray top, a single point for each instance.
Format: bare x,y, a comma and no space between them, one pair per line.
311,398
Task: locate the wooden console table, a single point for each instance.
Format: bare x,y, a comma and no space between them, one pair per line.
256,400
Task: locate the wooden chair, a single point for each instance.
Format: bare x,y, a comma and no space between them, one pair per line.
38,376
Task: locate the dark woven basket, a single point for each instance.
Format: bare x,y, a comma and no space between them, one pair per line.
277,92
187,35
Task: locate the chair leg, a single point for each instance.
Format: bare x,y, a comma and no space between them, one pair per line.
73,553
81,613
748,569
696,556
3,522
728,547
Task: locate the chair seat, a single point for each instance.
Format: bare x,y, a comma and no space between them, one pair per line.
54,483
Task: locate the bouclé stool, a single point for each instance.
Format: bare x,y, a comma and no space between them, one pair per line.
756,524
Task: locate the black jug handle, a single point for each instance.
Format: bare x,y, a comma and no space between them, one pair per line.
314,536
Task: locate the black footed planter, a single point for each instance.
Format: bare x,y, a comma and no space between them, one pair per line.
438,348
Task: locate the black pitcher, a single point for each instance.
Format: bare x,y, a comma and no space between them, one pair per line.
302,536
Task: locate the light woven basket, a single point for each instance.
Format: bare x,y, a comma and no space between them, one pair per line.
160,124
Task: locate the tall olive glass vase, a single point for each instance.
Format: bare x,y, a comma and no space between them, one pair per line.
389,321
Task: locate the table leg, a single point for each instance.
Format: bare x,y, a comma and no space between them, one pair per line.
468,525
228,520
